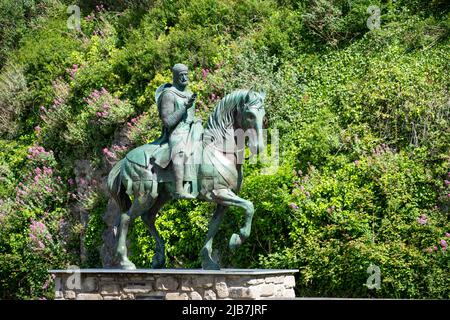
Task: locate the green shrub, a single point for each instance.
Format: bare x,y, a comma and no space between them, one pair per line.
14,95
379,209
337,21
16,17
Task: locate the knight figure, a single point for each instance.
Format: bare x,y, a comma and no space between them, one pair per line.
176,106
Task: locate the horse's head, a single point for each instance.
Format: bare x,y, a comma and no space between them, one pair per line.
251,119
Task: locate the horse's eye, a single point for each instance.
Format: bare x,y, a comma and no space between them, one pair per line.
265,123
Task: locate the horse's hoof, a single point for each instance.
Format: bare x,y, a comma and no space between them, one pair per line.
210,265
127,265
235,241
158,264
207,262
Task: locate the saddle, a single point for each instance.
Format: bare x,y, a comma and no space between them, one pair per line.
159,153
143,155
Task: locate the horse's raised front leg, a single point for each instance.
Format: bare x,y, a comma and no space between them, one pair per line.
207,262
159,258
139,206
227,197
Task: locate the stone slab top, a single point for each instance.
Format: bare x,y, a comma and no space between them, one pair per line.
230,272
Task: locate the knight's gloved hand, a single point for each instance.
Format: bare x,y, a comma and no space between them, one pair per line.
191,101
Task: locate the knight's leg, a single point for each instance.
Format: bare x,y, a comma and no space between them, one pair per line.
207,262
149,218
178,170
228,198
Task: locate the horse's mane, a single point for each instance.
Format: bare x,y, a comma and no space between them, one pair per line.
222,118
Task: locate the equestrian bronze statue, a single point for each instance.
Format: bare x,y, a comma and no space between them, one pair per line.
189,162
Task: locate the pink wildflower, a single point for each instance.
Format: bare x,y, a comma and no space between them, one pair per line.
205,73
293,206
422,220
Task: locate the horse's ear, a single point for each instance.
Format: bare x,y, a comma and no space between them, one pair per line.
248,96
262,94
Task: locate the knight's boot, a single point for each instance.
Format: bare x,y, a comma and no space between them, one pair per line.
180,193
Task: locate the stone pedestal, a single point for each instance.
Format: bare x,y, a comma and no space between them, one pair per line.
173,284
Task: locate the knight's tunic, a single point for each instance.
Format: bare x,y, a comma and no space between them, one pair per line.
175,133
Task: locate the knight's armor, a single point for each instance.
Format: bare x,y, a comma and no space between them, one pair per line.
177,121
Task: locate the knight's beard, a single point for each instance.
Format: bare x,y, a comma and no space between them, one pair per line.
181,85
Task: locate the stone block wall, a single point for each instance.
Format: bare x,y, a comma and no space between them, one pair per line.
151,284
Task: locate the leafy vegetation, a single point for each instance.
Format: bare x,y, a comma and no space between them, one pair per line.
362,115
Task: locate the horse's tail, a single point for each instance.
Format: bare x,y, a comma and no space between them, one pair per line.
115,187
114,178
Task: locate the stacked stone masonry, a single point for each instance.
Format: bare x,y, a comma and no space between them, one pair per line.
175,286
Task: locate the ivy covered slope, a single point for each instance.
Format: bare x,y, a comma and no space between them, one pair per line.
362,115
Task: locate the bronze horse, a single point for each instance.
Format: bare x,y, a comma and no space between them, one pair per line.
216,177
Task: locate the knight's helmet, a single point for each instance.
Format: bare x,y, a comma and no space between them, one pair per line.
178,68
